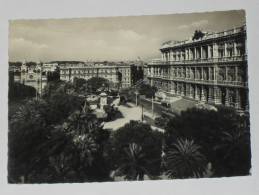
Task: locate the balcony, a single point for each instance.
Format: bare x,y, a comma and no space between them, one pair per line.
201,60
201,81
233,83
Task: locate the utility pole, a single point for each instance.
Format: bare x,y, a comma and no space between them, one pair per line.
136,98
142,113
152,103
37,91
41,81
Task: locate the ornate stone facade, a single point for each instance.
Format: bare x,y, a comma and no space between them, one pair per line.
34,76
212,69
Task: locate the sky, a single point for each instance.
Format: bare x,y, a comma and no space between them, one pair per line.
109,38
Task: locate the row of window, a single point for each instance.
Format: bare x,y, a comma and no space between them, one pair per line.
206,52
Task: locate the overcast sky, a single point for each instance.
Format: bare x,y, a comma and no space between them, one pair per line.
111,38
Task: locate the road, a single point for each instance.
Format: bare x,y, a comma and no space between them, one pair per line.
129,112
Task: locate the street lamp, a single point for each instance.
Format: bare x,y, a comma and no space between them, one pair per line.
137,93
152,105
142,113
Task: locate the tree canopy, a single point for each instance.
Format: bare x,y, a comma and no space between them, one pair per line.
208,129
96,83
147,90
145,139
48,150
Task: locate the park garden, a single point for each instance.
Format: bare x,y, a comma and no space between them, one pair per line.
57,138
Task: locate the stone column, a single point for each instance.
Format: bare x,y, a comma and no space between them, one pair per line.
217,95
183,89
191,91
202,94
227,97
162,72
225,50
187,89
236,73
235,48
210,94
195,53
201,52
209,73
186,54
238,99
172,87
215,72
208,50
226,73
202,73
176,88
195,73
215,50
196,93
152,82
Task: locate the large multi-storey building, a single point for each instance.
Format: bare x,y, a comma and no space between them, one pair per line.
210,69
116,74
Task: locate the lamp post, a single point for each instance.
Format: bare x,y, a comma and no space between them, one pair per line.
142,113
152,105
136,98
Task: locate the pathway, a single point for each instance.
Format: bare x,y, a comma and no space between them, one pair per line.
128,111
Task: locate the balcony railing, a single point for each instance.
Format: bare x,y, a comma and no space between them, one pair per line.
206,37
201,81
200,60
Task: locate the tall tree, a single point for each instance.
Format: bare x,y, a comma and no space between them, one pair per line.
206,128
134,165
96,83
185,160
142,146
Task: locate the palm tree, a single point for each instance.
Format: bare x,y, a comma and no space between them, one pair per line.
134,163
232,140
234,151
184,160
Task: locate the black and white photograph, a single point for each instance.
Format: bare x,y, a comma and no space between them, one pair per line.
128,98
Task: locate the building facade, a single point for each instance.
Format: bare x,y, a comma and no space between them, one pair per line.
33,75
211,69
116,74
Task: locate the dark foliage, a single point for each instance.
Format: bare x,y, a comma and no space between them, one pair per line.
78,83
40,151
96,83
147,90
161,121
53,76
145,138
20,91
184,160
137,73
209,129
